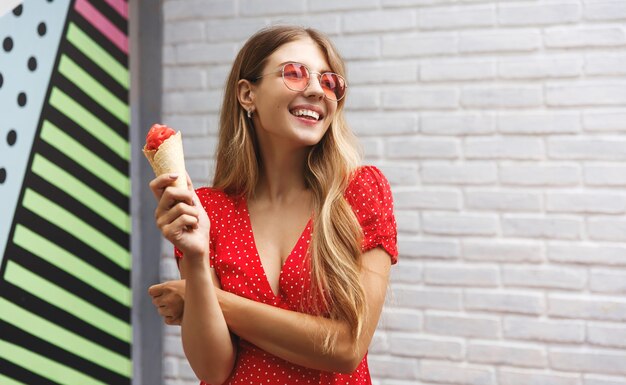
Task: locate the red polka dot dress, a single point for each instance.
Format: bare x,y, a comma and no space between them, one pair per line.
238,266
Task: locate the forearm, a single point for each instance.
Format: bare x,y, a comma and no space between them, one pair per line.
206,339
292,336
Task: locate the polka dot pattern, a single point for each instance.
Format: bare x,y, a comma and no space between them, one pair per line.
238,266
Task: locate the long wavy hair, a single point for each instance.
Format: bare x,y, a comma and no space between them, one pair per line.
336,239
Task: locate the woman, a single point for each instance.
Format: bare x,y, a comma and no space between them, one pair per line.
257,308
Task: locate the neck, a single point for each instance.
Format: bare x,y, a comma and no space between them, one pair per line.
281,177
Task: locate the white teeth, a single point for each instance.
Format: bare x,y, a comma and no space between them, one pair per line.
308,113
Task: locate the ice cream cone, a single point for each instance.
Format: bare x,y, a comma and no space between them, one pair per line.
169,159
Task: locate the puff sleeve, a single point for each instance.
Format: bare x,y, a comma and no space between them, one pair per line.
370,196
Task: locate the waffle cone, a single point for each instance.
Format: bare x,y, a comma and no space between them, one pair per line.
169,159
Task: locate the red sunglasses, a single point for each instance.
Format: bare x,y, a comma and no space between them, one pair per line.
297,77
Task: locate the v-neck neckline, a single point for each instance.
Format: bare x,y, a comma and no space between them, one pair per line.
258,255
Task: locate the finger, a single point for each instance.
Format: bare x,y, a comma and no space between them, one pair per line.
174,230
158,184
156,290
189,183
165,216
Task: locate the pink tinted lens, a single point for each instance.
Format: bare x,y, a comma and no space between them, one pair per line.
296,76
334,86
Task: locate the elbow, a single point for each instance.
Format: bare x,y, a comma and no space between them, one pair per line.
348,359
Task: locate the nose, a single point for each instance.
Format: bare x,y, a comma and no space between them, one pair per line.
315,86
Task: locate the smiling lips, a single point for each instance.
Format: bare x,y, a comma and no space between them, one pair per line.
306,113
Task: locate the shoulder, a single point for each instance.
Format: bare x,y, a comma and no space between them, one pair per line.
367,182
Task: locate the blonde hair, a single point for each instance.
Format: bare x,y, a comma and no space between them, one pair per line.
336,240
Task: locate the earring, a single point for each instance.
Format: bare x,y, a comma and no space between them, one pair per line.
250,114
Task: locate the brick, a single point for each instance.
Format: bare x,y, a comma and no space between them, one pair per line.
187,373
501,96
168,57
199,147
403,97
408,221
183,79
544,330
528,377
544,277
544,14
568,95
605,64
457,124
428,249
506,354
197,9
189,102
199,170
329,24
422,148
587,307
608,281
393,367
541,227
409,345
217,75
372,148
379,343
607,120
467,173
504,301
382,72
358,47
461,275
427,199
191,125
529,174
459,224
362,98
539,123
399,174
270,7
457,17
221,30
439,371
425,298
366,123
378,21
410,273
591,254
425,44
346,5
605,10
170,367
588,360
502,41
168,270
404,3
586,203
607,229
503,251
610,175
542,68
608,335
205,53
587,149
503,200
406,320
458,70
591,379
519,148
576,37
173,346
183,32
462,325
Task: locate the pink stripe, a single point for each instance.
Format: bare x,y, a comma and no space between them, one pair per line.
103,24
120,6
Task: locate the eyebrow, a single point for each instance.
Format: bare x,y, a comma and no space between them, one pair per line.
280,65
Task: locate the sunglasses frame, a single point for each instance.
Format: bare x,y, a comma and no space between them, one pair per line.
319,78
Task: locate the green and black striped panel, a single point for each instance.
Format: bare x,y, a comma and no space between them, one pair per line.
65,278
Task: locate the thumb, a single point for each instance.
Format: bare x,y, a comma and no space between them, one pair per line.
156,290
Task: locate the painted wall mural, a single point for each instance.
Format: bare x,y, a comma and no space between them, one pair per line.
64,193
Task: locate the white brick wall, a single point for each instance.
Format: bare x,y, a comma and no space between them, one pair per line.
500,125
